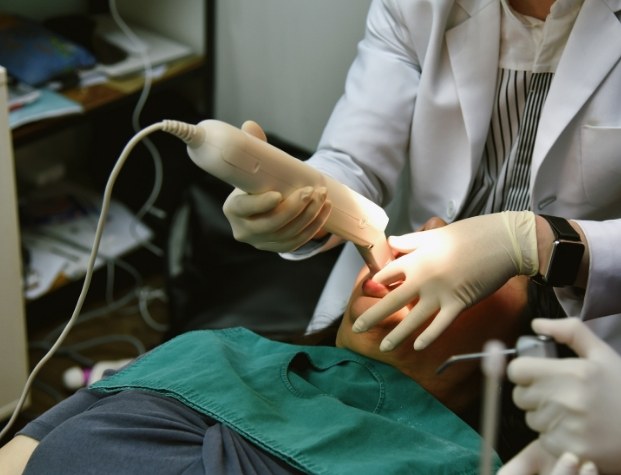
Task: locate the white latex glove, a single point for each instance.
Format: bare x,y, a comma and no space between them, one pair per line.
534,460
272,223
574,403
449,269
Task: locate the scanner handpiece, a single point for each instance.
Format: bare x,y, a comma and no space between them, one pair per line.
255,166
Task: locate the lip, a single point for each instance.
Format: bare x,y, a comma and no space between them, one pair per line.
370,288
368,293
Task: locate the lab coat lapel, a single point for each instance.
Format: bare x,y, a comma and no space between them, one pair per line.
473,49
592,50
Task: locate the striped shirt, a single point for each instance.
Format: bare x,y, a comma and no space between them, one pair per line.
529,53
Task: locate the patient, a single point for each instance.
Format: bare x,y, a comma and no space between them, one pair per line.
230,401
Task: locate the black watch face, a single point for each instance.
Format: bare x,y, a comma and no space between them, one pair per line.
566,261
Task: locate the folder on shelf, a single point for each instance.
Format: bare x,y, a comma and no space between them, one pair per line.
21,94
48,104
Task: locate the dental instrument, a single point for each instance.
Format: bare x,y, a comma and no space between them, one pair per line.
528,345
493,367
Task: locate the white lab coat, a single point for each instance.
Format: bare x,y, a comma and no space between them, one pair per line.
417,107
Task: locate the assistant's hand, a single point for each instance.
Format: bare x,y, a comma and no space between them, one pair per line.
272,223
573,403
534,460
449,269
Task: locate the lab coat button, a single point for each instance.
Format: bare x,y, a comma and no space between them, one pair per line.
451,209
544,203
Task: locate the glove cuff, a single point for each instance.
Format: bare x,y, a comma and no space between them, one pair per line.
523,235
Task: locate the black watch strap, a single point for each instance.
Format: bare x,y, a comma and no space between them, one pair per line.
561,228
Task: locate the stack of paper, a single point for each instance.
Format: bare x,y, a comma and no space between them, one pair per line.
58,231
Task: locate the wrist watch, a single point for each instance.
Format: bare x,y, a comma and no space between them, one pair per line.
566,255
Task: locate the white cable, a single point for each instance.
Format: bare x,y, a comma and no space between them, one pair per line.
106,309
73,350
148,205
144,296
106,339
183,131
105,206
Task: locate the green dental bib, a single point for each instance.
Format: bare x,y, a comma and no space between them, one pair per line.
323,410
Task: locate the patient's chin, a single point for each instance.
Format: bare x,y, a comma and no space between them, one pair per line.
360,305
368,342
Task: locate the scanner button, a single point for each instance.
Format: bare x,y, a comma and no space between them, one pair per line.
241,160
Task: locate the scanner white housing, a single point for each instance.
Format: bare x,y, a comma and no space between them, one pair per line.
255,166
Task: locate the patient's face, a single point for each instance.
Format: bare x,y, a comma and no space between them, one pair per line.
497,317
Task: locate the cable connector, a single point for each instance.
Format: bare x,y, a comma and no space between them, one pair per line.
191,134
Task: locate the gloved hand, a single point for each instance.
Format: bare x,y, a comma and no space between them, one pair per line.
449,269
573,403
272,223
534,460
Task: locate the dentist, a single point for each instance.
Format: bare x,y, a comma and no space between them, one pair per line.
493,115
